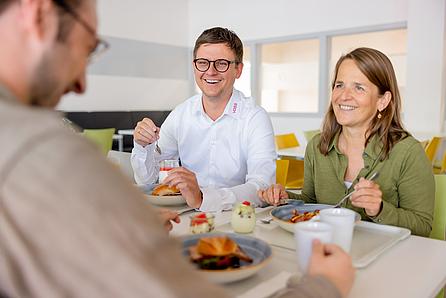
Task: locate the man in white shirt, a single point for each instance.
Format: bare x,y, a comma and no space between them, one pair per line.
224,140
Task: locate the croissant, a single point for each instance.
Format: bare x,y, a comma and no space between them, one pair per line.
165,190
216,246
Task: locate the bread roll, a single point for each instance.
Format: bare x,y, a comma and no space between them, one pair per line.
165,190
216,246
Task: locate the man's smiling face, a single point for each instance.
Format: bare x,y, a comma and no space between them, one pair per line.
217,85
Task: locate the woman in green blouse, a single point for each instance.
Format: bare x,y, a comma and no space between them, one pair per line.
362,134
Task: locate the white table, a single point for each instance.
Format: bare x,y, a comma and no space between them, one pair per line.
293,152
414,267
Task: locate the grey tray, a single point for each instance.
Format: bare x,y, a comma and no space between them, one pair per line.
370,240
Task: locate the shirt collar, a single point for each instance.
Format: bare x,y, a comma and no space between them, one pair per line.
334,143
233,107
373,148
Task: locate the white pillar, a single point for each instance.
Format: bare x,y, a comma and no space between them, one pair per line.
424,105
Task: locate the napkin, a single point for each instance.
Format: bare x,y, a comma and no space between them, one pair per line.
268,287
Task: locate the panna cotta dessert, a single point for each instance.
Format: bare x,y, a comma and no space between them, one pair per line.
201,223
243,218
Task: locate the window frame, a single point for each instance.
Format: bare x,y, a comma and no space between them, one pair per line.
324,59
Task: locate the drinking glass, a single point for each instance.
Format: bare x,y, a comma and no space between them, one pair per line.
166,166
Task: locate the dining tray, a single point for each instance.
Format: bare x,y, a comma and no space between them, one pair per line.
370,240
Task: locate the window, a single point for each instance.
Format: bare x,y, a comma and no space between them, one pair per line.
244,82
290,76
393,43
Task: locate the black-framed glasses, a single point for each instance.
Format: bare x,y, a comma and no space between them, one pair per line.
220,65
101,45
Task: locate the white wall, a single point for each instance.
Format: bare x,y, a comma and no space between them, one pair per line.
163,22
425,93
262,19
120,81
175,24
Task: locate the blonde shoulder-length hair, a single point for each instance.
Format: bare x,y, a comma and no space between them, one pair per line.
379,70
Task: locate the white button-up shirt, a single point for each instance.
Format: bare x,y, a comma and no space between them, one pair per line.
232,157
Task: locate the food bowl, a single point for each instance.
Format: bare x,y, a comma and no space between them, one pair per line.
257,249
283,214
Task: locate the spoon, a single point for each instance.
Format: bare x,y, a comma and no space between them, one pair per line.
338,205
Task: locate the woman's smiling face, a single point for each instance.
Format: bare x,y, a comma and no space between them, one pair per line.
354,98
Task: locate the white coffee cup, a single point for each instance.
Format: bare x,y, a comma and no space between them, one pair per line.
304,234
343,221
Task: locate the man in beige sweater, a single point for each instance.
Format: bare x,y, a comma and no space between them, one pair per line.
70,224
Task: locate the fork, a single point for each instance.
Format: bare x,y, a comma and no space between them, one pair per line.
338,205
157,148
266,220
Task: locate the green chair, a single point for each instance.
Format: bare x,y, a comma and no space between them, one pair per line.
439,224
102,137
309,134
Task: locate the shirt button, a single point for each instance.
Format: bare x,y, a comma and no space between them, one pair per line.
367,167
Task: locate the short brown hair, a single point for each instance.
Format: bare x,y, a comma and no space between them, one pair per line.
379,71
66,20
221,35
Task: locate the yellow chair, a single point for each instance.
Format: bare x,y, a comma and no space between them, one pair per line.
443,164
432,147
424,144
286,141
309,134
102,137
290,173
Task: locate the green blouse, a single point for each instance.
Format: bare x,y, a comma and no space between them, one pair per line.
405,178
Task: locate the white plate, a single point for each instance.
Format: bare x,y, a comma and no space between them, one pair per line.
282,214
257,249
160,200
166,200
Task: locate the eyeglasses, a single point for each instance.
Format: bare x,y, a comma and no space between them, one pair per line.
220,65
101,45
